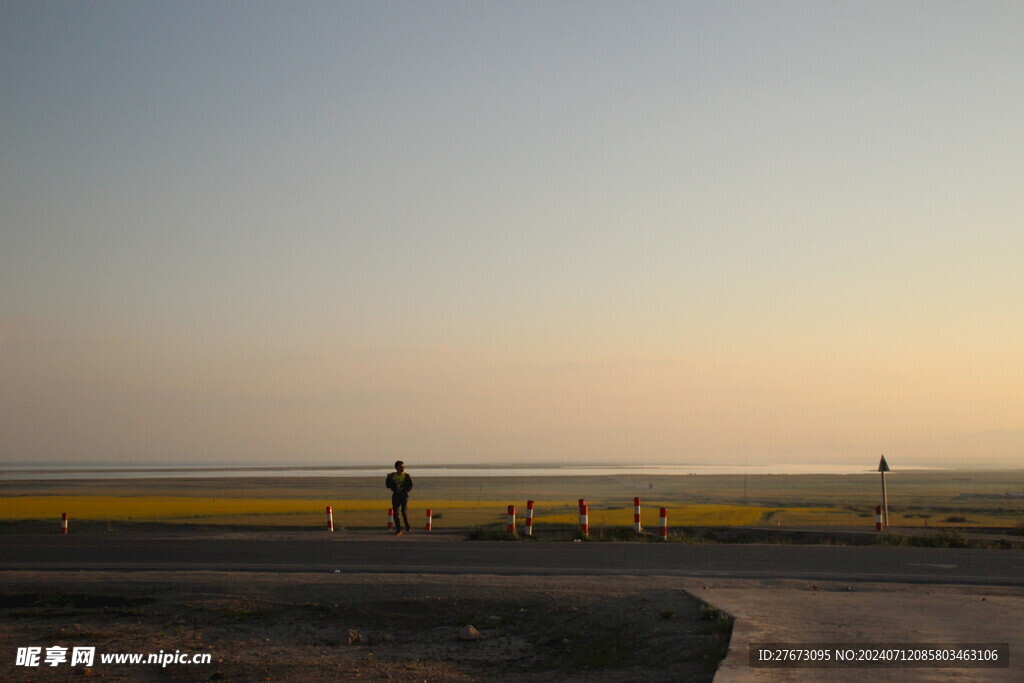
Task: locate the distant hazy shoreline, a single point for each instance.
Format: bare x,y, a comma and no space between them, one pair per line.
56,472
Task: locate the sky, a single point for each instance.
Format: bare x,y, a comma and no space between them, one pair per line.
450,232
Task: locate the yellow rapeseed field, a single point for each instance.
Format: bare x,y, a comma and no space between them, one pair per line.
272,511
148,508
678,515
820,517
446,513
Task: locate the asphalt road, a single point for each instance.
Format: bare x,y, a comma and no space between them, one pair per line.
422,554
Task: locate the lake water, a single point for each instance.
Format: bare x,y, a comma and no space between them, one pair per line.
78,472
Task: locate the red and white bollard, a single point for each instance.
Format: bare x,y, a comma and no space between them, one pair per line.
584,521
529,518
64,523
583,503
878,518
391,518
510,521
329,518
430,519
663,530
636,516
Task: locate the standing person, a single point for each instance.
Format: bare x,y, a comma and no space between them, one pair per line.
400,484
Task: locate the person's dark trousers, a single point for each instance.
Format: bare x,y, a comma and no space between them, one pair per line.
400,501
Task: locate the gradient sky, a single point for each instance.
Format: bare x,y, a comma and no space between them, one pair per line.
509,232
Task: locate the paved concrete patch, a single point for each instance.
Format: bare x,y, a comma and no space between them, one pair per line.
807,612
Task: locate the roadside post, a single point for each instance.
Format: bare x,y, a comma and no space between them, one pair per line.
663,522
878,518
883,467
636,516
529,518
584,521
430,519
329,518
391,519
510,521
64,523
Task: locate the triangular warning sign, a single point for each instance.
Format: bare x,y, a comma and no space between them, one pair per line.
883,466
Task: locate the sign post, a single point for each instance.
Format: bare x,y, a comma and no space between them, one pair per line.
883,467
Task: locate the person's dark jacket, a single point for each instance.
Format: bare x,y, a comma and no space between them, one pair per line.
402,489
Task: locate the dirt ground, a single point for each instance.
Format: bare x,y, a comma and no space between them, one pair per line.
313,627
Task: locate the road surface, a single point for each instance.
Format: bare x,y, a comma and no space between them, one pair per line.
304,552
